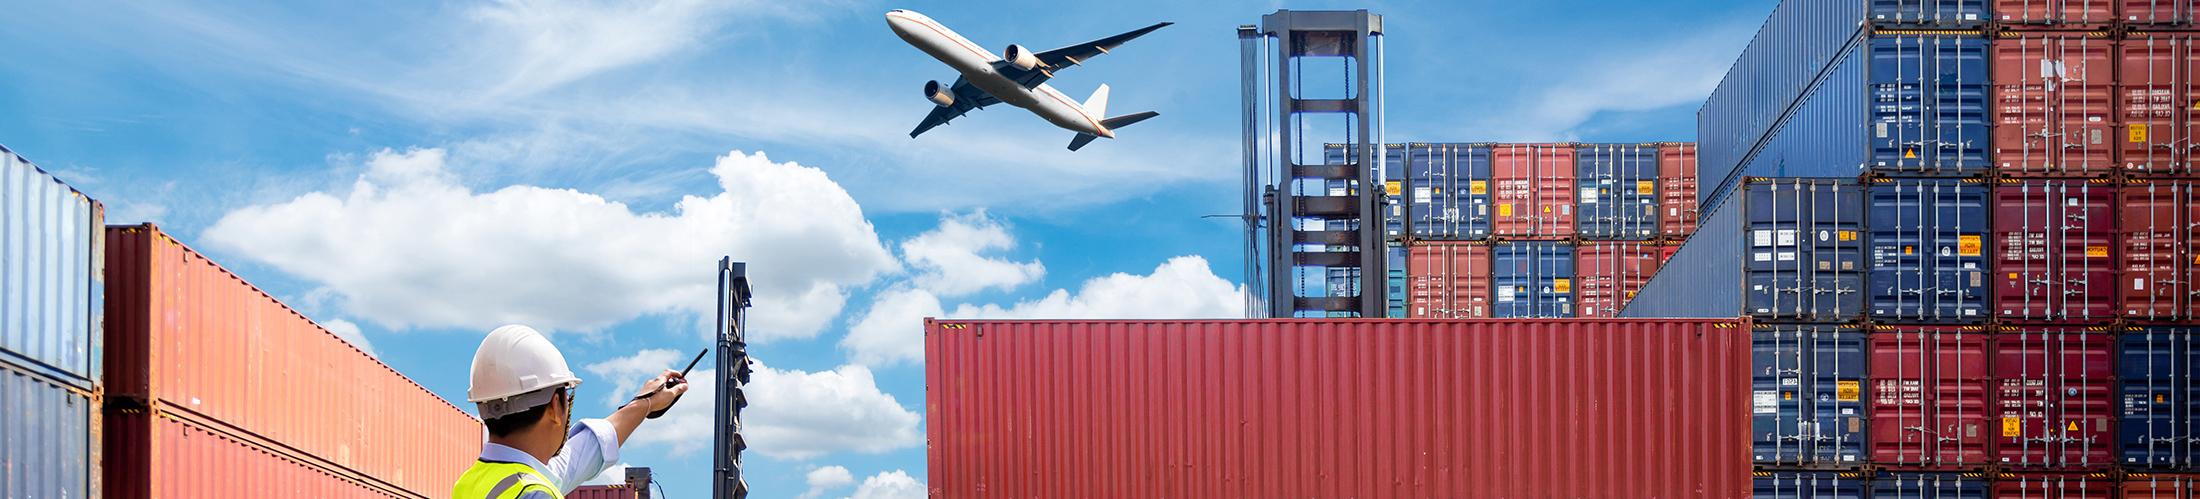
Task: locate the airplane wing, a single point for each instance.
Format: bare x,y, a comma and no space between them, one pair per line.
1062,58
967,98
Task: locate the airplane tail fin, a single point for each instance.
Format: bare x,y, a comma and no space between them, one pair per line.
1081,140
1110,124
1097,104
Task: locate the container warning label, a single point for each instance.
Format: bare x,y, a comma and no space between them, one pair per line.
1848,391
2138,132
1504,209
1589,195
1562,285
2096,252
1968,245
1765,402
1645,187
2011,426
1478,187
1393,187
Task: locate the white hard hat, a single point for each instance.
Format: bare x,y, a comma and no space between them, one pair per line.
515,370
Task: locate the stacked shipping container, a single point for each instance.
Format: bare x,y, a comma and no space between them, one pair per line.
50,344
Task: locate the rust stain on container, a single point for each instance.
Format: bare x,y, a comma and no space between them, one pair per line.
1338,408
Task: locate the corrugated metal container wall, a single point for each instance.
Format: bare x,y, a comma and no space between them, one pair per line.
1344,408
2054,395
1930,396
1393,175
1703,278
1928,12
2159,227
1677,190
2052,241
1807,402
604,492
1535,190
1611,274
1450,188
2160,12
1929,105
2054,101
1807,485
1806,250
1795,45
2054,486
1929,486
2059,14
2155,89
185,334
1448,280
1619,191
1928,247
50,282
1532,279
2160,486
2158,426
1821,138
174,458
49,440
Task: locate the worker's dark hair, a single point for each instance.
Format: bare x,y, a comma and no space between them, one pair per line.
514,422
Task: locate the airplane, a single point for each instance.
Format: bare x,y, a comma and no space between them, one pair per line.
1016,76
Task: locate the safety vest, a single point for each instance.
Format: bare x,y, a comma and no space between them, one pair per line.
492,480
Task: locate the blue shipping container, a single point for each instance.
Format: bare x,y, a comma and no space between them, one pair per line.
1790,53
1808,485
1394,277
1928,486
49,436
1532,280
1448,191
1928,250
2160,401
1806,250
1618,192
1823,137
1807,403
1703,279
52,241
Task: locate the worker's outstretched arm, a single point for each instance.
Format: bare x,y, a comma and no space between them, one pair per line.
631,415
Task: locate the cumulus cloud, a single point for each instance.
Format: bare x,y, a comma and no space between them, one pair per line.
541,44
892,331
826,479
409,246
890,485
1643,77
951,260
350,333
792,414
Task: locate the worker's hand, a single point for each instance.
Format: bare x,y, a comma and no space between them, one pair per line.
661,398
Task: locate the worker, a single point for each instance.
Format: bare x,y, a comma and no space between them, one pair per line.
525,392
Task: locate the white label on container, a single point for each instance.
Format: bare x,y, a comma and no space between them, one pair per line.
1589,195
1765,402
2138,283
1882,129
1786,237
1672,212
1421,195
1762,256
1504,294
1761,237
1787,256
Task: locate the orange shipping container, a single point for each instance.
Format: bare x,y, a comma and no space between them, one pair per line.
186,335
174,458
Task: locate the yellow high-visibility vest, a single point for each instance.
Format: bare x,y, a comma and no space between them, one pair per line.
487,480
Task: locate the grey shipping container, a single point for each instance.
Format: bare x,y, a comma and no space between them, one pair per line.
1928,250
1929,486
49,437
1704,278
51,247
1808,485
2160,428
1618,191
1807,403
1806,255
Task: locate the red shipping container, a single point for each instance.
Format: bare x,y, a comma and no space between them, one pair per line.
605,492
2160,486
2060,14
2160,12
1448,280
2052,241
1610,273
2053,486
1677,189
1338,408
2159,266
184,334
1930,389
1535,190
2155,97
2054,397
171,457
2054,103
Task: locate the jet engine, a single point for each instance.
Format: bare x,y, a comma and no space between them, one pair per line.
939,96
1020,57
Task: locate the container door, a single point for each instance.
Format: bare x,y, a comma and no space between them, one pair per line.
2154,366
2052,240
1677,190
1470,202
1805,257
1928,12
2160,13
1808,400
1928,251
2064,14
2055,405
1807,485
2156,266
2054,101
1928,486
2156,98
1618,192
1929,105
1930,396
2054,487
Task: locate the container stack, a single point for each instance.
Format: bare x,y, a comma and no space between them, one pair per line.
1986,285
1486,230
50,290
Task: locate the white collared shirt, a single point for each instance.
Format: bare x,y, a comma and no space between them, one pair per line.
583,457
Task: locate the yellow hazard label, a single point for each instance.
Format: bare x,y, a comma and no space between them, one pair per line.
2138,132
1478,187
1562,285
2096,252
2011,426
1909,154
1967,245
1546,209
1645,187
1393,187
1909,250
1848,391
1630,295
1504,209
1787,395
1846,235
2196,105
2073,426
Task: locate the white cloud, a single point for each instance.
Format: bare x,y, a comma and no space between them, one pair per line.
826,479
409,246
613,475
351,334
538,44
950,260
792,414
1641,77
890,485
1181,288
892,331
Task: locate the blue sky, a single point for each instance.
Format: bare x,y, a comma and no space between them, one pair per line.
415,173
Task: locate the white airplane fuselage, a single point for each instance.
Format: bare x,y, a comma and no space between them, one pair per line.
976,66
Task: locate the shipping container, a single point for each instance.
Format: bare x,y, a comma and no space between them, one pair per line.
607,492
2055,14
2158,426
1612,272
2160,13
1807,485
2054,486
1928,250
1448,280
185,335
1350,408
50,280
2159,226
1930,392
1532,279
1450,191
2052,244
2054,397
49,437
1394,278
1619,191
1929,486
1820,137
1807,402
2154,94
2160,486
167,456
1790,54
1806,250
1677,190
1535,186
2055,99
1703,277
